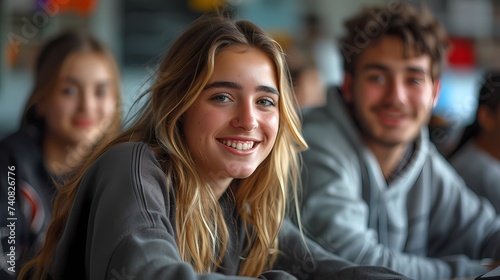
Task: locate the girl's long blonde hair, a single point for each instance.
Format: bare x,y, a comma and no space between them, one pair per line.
260,199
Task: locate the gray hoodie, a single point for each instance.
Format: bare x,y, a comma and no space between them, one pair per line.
424,223
122,226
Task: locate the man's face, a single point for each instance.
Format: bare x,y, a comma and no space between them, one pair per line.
391,96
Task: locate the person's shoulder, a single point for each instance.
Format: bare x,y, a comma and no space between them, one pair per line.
325,115
124,152
126,147
323,127
466,150
125,168
440,169
432,156
316,115
119,160
476,166
470,157
20,146
17,139
136,157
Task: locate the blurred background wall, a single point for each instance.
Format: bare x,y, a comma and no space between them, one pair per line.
139,31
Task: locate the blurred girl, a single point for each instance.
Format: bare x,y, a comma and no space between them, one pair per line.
74,104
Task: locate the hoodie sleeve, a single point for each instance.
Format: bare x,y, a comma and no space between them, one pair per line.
307,260
461,221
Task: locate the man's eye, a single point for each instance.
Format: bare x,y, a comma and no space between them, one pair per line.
377,78
416,81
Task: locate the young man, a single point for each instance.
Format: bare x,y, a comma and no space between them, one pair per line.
376,191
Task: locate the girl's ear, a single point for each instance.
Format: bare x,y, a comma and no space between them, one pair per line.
41,107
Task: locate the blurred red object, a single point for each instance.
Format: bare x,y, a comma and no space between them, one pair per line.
462,53
82,7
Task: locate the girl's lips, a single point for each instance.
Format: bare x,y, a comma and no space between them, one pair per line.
83,123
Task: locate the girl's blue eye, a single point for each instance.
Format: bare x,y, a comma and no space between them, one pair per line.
220,98
266,102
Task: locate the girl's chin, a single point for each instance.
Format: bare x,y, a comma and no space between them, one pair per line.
242,174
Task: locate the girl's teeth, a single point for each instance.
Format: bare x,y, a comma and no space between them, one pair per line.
238,145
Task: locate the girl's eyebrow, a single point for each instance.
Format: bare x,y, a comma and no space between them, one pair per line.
268,89
223,84
233,85
75,81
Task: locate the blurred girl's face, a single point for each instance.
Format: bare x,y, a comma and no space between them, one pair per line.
83,102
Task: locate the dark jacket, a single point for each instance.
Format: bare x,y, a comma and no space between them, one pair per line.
25,199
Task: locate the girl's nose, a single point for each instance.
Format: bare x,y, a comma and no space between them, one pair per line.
245,118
